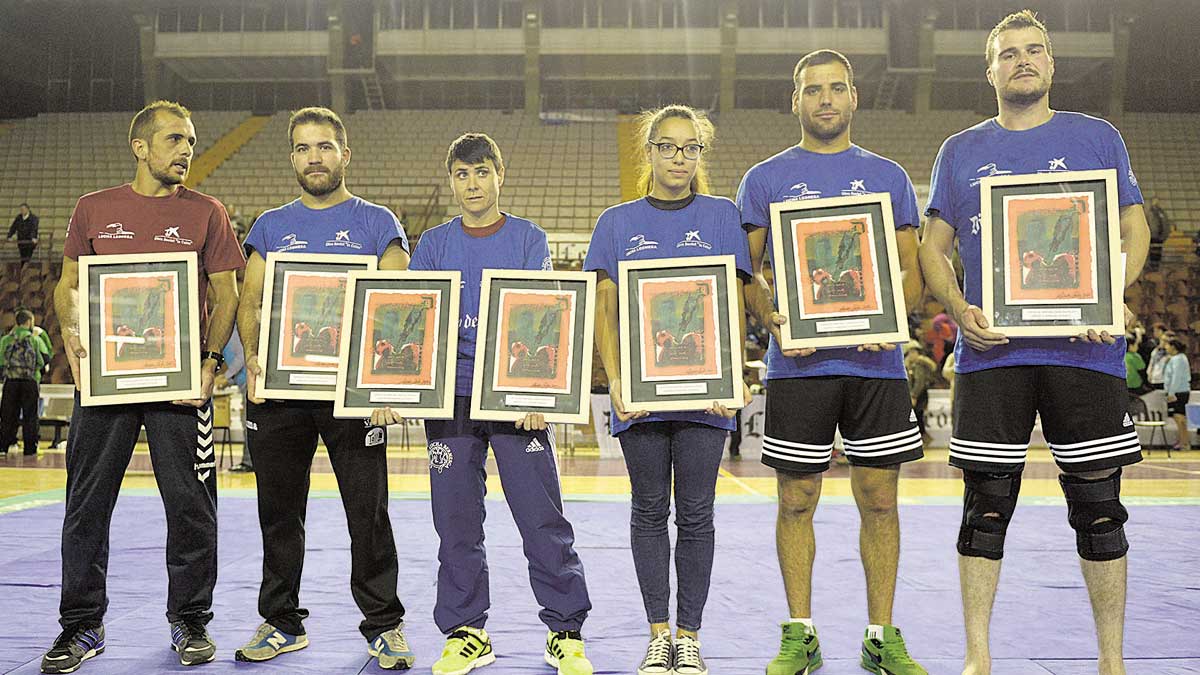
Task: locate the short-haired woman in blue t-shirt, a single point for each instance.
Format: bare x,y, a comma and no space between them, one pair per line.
673,219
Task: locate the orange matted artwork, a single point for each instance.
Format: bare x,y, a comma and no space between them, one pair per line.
139,323
310,331
678,328
1050,249
399,339
534,352
835,266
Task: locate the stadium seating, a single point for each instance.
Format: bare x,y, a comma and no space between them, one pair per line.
559,175
52,159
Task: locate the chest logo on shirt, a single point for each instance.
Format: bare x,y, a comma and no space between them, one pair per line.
987,170
639,243
692,240
804,193
342,240
291,242
857,187
1056,164
115,231
170,235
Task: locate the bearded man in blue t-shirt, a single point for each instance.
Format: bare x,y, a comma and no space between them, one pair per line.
1076,384
281,436
811,394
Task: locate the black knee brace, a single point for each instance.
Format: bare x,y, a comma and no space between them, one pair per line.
982,534
1089,501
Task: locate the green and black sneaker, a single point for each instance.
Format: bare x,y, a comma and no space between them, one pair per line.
799,651
889,656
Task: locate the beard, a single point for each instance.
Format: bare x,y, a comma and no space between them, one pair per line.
333,183
826,132
165,176
1011,95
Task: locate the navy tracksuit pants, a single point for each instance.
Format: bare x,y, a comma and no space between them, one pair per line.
458,451
99,446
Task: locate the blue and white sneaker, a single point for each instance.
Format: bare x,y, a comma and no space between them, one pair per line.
392,650
191,640
72,647
269,642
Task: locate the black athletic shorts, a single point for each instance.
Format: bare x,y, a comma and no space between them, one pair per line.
876,418
1085,418
1179,405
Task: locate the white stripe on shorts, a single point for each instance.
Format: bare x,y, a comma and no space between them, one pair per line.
1101,448
884,445
996,453
768,452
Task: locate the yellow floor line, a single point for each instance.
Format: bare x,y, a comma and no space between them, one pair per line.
740,483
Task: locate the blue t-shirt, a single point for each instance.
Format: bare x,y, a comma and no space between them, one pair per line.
637,230
1069,141
797,174
517,245
356,226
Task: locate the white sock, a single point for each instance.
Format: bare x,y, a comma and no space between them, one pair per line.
806,622
874,631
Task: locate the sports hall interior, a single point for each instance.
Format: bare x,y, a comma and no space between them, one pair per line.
557,83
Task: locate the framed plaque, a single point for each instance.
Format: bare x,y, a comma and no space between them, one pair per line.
680,336
139,319
837,272
534,348
1051,254
399,347
300,329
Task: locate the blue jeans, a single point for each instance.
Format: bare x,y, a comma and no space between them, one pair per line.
693,451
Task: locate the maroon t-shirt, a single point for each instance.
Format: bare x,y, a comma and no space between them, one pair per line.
120,221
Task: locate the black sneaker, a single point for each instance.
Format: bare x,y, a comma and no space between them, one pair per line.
72,647
191,640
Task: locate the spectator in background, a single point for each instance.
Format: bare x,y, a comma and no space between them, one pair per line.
943,334
1177,382
1134,365
922,373
235,375
1160,228
1158,357
25,228
22,356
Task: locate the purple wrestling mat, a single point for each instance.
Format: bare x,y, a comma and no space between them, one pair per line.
1042,620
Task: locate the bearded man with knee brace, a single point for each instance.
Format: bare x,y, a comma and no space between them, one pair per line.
1076,384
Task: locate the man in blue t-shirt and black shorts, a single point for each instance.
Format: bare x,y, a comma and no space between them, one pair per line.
812,393
282,435
1076,384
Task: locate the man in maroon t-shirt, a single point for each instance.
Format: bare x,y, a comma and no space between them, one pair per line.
152,214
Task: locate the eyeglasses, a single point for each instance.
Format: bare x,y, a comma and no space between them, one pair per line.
669,150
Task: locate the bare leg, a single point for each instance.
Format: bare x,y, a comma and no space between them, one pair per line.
874,491
1106,581
978,578
794,541
1183,437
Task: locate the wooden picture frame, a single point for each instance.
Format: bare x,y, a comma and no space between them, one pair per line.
301,322
534,347
139,320
1050,254
399,344
837,272
680,333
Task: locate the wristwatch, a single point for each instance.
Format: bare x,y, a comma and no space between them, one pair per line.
215,356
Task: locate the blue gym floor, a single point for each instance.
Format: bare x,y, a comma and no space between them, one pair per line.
1042,619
